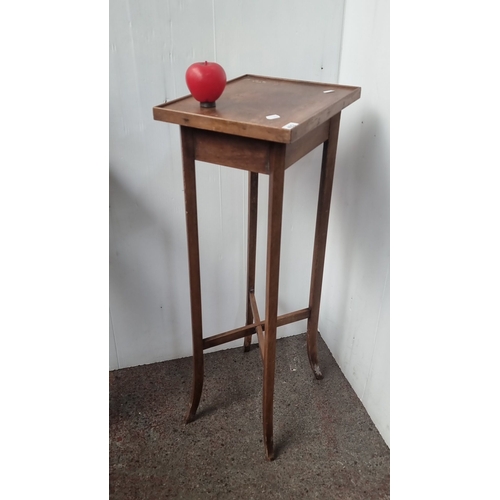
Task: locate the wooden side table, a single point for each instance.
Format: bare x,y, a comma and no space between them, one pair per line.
262,125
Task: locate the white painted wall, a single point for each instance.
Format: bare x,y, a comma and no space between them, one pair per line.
152,42
355,304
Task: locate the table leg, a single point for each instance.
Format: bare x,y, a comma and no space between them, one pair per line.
276,184
253,191
188,164
324,199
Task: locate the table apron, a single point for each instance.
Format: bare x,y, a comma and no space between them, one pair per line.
232,151
250,154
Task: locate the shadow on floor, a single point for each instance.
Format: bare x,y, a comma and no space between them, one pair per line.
326,446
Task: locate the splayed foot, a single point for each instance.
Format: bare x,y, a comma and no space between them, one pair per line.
270,450
191,415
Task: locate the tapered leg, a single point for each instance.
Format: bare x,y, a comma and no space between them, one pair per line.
188,164
253,187
324,199
276,184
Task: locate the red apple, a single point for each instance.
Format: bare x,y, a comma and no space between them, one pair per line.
206,82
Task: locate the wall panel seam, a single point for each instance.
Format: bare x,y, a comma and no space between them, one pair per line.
370,369
114,338
341,47
214,29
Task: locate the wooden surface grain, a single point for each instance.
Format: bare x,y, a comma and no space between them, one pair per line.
248,101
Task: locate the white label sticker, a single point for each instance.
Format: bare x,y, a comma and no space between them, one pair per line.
328,91
272,117
290,125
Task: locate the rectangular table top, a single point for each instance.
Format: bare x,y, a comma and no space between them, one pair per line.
261,107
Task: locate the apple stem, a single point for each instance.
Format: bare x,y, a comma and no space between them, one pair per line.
206,63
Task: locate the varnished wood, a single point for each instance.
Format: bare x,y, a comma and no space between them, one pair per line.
232,151
323,212
238,333
188,164
247,101
296,150
275,210
258,326
253,194
237,133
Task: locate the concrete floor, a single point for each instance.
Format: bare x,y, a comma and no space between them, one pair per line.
326,446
